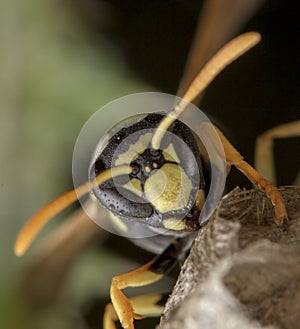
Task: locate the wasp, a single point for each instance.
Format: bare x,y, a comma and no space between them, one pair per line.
155,187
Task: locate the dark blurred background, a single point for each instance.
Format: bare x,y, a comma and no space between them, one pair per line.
60,62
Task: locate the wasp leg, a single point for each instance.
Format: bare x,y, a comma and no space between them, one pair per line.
233,157
147,305
264,160
149,273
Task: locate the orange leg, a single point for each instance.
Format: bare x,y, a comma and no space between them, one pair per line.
233,157
264,160
139,277
148,306
122,308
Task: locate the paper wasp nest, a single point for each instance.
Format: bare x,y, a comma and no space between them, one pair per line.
243,271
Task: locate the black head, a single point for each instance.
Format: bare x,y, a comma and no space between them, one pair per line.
166,188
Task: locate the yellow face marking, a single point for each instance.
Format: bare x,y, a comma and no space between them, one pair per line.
169,188
170,154
174,224
134,186
148,169
155,165
134,150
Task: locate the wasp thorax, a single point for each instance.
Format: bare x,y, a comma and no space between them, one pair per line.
163,187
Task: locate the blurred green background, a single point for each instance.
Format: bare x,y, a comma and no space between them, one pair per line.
54,74
61,61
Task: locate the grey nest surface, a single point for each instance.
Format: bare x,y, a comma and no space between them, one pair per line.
243,270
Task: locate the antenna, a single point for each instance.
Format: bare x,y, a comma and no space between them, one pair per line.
44,215
225,56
